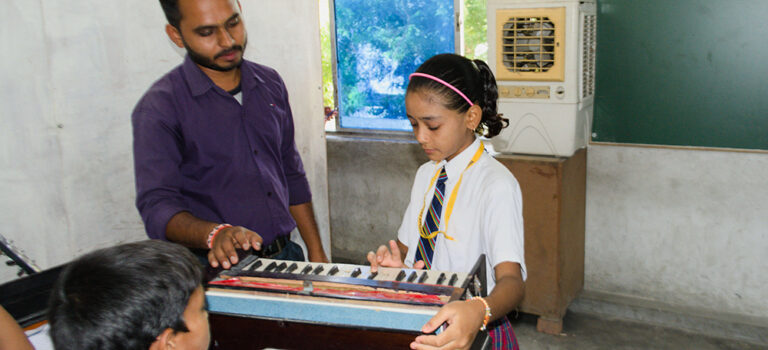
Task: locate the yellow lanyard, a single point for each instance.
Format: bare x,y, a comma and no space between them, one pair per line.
423,232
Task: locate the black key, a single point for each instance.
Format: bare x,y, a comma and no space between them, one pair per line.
400,275
333,271
281,267
356,272
256,265
412,276
292,268
306,269
318,269
453,280
373,275
270,267
441,278
423,277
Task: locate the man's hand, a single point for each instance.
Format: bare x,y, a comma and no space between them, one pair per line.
464,319
317,255
390,257
231,238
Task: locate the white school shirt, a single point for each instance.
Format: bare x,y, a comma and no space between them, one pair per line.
486,219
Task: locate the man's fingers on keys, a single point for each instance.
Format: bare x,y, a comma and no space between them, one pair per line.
240,240
419,265
212,259
255,241
217,257
228,256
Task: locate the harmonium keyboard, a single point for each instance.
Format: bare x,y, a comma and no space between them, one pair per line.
279,304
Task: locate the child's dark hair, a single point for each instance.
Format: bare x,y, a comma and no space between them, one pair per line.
473,78
123,297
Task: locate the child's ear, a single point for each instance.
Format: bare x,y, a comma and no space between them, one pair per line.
164,341
474,116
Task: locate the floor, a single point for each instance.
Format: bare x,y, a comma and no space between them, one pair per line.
587,331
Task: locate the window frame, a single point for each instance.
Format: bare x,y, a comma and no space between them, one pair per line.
458,37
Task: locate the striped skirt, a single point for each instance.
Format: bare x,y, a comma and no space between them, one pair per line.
502,336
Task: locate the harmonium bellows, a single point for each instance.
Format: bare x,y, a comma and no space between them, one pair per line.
343,295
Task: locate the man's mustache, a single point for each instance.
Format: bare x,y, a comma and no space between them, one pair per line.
229,51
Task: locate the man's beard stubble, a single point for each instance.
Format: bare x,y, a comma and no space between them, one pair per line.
210,63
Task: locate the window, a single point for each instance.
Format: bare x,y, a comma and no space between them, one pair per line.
377,44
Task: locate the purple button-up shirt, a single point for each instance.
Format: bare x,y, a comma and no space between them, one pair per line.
197,149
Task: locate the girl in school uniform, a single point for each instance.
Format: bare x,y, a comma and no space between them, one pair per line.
463,203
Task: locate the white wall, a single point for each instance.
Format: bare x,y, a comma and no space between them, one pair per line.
71,73
680,227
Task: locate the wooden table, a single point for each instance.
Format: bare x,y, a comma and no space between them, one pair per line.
554,194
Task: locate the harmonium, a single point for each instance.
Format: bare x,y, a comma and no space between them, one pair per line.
275,304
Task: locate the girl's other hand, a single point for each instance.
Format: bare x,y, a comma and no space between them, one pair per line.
463,319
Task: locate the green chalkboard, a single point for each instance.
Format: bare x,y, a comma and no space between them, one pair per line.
682,73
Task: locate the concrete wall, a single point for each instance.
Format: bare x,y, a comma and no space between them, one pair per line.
671,228
72,72
370,182
682,227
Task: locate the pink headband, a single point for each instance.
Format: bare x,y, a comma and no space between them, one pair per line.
441,81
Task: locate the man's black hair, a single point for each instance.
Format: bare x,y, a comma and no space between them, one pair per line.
172,13
123,297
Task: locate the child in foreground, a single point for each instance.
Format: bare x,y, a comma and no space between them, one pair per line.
143,295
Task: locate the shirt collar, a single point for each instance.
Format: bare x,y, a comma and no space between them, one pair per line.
249,70
199,83
455,166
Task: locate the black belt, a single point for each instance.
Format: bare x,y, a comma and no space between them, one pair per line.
273,248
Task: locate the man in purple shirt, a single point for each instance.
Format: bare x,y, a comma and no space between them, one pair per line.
215,159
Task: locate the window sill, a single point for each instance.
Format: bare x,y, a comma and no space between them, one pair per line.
371,136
